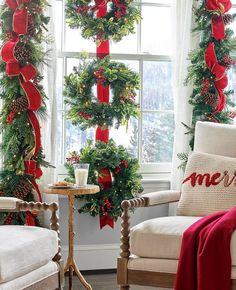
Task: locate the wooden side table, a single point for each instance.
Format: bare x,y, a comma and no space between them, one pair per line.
71,193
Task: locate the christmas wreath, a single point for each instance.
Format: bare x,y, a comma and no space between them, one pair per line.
85,109
125,182
118,21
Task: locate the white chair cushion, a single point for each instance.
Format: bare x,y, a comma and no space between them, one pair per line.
31,278
208,186
215,138
159,265
161,238
24,249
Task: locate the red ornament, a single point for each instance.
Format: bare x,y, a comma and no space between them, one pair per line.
73,159
125,163
85,115
10,117
8,219
82,9
206,86
228,61
118,170
99,73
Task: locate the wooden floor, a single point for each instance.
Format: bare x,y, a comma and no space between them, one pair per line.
103,282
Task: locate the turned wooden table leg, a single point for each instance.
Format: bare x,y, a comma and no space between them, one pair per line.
70,264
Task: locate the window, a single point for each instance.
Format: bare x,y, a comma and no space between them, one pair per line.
148,52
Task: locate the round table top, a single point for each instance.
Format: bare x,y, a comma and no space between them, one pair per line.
88,189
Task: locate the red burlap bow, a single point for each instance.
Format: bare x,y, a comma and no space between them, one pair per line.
26,73
30,165
35,172
20,16
221,7
105,179
219,71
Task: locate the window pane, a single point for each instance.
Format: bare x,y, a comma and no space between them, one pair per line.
75,42
232,81
155,39
233,25
164,2
128,137
76,138
157,137
71,63
157,85
127,45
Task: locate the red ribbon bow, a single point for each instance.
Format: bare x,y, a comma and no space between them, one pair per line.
220,6
221,80
26,73
20,16
36,172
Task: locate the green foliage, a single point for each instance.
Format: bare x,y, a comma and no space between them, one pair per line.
80,14
85,109
126,183
198,71
184,158
18,134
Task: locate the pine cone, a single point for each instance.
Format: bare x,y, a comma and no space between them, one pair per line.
211,99
22,189
31,31
227,18
22,52
20,105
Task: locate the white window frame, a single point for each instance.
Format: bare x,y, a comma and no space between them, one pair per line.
150,169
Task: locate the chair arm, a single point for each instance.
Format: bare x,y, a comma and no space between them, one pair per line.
10,204
152,198
161,197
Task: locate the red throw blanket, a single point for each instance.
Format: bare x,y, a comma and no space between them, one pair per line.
205,260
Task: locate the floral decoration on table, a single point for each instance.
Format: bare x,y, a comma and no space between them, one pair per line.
85,109
23,27
126,182
118,22
210,62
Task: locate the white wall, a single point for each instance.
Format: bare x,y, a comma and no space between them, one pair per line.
98,249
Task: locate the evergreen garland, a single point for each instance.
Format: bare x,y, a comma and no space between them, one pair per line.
125,179
18,132
85,109
205,96
118,22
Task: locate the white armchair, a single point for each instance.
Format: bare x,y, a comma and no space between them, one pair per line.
150,250
30,256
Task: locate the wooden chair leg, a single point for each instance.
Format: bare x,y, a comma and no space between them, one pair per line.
124,287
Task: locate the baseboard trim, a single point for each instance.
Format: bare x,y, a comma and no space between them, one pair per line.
94,257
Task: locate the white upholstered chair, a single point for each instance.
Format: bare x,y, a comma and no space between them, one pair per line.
30,257
150,250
